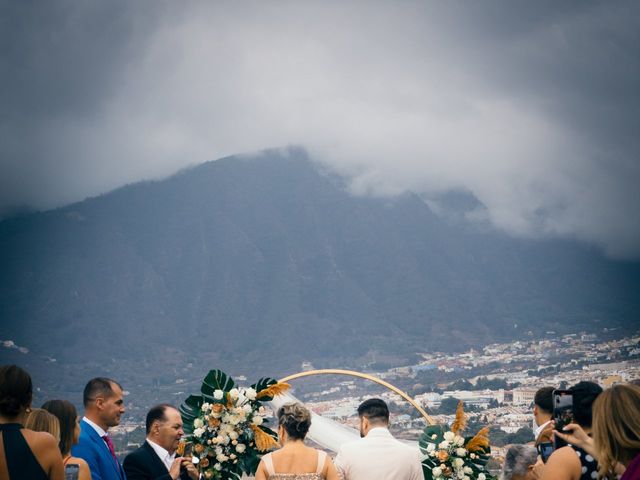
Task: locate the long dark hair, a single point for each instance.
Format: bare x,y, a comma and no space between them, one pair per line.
16,390
66,413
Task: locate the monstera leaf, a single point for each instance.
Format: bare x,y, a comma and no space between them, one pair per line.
215,380
263,384
189,410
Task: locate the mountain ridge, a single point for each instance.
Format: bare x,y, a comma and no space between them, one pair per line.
270,257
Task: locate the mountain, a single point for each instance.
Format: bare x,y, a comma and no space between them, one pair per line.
258,263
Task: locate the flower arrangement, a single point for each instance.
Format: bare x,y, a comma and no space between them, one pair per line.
227,425
447,454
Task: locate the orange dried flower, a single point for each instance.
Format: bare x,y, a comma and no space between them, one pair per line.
273,390
443,455
264,441
461,421
480,441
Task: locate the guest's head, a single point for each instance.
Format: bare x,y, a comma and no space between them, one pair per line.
373,412
543,405
519,463
39,420
16,391
616,426
164,426
584,394
69,423
294,421
103,402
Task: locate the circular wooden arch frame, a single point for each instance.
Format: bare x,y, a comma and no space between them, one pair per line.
351,373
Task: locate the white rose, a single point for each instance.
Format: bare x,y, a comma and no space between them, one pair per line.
219,439
232,456
198,423
250,393
241,447
218,450
205,406
241,398
257,420
431,447
198,432
247,408
457,462
233,435
434,436
444,445
217,466
218,394
467,470
449,436
461,452
482,476
233,393
459,440
221,457
437,471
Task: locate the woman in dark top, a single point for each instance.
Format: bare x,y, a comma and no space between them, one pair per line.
24,455
572,462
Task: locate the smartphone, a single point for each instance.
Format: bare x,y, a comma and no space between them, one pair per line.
188,450
545,449
562,413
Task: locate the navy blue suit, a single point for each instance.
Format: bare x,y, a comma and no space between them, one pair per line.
95,452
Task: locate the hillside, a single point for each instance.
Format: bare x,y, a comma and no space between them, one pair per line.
259,263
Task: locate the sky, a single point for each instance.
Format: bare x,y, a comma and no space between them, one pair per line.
533,107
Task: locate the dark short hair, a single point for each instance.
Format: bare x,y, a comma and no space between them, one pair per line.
157,414
295,419
16,390
67,414
98,387
544,399
584,394
375,410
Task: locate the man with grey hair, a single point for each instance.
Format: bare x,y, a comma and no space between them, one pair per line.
519,463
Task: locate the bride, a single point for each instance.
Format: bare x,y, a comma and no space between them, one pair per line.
295,461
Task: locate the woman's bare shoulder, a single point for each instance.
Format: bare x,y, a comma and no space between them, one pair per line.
563,464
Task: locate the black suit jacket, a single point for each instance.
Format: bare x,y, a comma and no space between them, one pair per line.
144,464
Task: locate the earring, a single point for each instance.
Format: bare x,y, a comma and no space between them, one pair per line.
28,410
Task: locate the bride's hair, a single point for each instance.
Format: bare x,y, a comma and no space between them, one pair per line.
295,419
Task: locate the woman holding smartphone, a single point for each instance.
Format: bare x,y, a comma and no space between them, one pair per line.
572,462
616,433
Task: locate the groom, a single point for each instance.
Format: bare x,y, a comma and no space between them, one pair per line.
377,455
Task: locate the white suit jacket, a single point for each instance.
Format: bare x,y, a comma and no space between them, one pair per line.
378,456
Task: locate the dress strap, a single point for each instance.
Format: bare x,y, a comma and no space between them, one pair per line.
268,462
322,456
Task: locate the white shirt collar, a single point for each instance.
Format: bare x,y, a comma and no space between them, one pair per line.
538,431
164,455
97,428
378,430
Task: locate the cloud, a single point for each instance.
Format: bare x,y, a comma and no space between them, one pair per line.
533,108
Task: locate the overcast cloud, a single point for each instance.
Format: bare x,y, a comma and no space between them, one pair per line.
531,106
